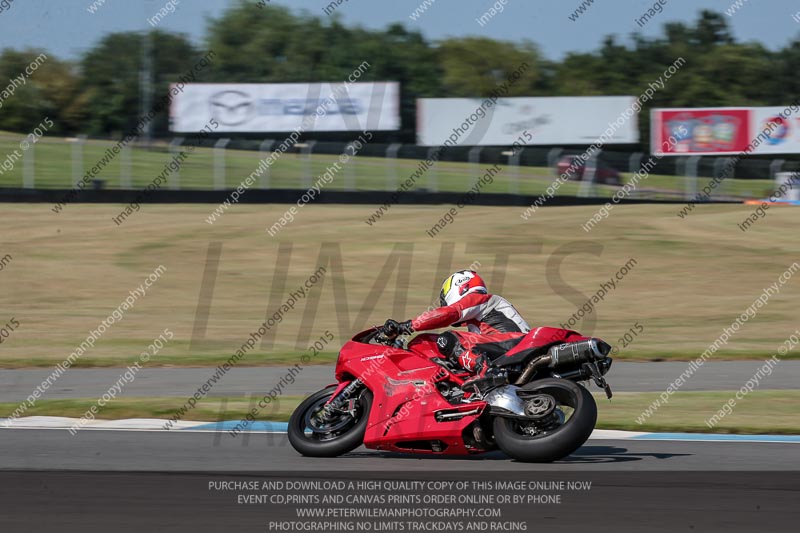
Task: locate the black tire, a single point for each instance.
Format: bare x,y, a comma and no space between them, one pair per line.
346,441
557,443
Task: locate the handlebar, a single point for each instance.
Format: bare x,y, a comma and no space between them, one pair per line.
381,338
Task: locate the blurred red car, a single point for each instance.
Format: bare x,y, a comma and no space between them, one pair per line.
603,174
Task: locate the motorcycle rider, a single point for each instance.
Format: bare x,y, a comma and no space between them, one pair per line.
493,324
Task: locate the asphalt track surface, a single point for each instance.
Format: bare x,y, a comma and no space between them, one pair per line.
159,481
117,480
16,385
175,451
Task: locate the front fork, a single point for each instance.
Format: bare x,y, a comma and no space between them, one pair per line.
341,397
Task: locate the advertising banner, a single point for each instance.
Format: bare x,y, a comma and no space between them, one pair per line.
785,135
547,120
724,131
284,107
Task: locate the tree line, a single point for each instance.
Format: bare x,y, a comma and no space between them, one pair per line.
99,94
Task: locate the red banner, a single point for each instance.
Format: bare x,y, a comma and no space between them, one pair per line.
700,131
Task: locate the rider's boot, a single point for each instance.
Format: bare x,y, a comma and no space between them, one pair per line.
487,377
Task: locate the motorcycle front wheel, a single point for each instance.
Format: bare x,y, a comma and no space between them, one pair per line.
331,435
565,415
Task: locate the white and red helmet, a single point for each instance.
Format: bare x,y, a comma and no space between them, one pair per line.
459,285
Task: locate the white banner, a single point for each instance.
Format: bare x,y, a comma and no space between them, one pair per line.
527,120
784,133
284,107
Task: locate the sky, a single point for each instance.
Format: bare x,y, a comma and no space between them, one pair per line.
67,29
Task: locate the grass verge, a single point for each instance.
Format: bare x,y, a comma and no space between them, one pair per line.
692,279
760,412
767,411
260,359
174,361
53,154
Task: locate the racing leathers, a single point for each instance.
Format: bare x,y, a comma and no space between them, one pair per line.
489,319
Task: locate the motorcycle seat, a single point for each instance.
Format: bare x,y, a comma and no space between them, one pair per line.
496,350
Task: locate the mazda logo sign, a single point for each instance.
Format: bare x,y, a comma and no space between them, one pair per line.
232,108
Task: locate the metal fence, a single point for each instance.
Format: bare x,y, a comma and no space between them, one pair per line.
186,163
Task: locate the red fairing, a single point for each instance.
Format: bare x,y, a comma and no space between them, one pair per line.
449,315
405,397
408,410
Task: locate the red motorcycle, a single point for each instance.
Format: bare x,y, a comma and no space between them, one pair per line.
412,400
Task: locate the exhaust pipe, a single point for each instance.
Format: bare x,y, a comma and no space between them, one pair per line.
567,354
577,353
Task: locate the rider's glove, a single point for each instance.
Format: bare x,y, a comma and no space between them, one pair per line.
393,327
390,327
405,328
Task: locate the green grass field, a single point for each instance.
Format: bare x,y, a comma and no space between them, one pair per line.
53,168
772,412
692,278
62,274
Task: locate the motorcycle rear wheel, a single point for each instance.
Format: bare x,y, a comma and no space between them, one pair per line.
554,443
345,435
